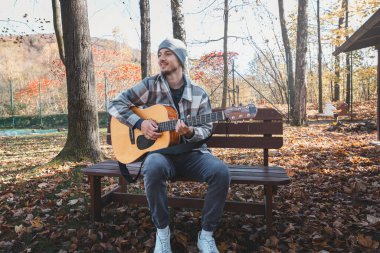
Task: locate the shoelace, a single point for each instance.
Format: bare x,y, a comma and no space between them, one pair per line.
211,245
164,243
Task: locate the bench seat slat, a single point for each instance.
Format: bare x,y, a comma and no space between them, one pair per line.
113,165
273,171
239,174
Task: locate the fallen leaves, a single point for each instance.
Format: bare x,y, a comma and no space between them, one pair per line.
332,204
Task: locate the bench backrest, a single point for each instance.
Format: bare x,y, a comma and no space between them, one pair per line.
263,132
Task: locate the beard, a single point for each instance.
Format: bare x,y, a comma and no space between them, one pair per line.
169,71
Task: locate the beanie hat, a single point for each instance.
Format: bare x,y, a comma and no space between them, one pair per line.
177,47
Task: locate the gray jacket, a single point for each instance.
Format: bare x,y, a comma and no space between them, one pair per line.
155,90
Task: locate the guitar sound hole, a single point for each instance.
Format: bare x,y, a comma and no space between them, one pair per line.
144,143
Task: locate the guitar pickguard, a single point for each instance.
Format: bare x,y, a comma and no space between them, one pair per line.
144,143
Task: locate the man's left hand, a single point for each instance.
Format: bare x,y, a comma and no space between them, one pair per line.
182,129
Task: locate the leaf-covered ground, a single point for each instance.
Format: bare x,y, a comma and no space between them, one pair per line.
332,204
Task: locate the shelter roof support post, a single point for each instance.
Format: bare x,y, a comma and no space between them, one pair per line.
378,92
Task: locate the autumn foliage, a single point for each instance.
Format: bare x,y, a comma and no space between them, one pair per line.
115,65
211,65
31,90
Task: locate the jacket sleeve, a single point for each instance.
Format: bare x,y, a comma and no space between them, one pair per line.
203,131
120,106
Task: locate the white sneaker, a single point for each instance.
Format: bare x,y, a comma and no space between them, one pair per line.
206,245
163,244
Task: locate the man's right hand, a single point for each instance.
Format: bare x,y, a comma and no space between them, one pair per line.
149,128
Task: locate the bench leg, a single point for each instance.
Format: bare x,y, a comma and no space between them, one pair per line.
96,197
122,184
268,190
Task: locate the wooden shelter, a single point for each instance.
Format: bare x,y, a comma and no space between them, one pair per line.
368,35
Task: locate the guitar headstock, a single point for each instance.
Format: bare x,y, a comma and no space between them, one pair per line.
241,112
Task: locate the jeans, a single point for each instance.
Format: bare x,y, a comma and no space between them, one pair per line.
195,165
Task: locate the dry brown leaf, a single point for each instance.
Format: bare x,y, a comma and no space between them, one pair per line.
19,229
272,242
367,241
36,222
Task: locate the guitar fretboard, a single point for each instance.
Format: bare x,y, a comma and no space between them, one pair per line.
192,121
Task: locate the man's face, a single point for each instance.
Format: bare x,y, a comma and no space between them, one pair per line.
168,61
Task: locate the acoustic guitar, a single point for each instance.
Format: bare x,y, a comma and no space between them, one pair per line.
130,144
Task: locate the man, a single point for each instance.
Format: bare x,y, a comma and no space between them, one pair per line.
172,87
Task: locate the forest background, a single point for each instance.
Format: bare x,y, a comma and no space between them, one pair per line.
30,59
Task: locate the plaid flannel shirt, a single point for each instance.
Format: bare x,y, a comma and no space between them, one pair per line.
155,90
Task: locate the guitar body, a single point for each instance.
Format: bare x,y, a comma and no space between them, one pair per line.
125,150
129,145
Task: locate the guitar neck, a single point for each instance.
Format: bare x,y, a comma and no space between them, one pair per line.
192,121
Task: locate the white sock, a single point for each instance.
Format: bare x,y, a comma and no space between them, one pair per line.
206,234
163,232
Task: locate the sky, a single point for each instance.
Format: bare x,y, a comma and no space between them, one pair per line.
122,16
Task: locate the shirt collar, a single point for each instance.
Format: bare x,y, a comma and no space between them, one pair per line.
187,92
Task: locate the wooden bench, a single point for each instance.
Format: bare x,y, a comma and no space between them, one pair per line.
265,132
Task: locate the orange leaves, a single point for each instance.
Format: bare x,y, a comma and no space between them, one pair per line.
198,75
211,64
104,52
58,69
214,60
125,72
31,89
118,78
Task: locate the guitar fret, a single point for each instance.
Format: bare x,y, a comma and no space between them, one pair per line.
192,121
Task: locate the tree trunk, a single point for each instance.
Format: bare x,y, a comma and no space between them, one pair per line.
146,65
337,63
300,82
348,75
178,20
289,57
83,136
58,28
320,78
225,62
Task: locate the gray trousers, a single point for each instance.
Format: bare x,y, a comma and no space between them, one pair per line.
198,166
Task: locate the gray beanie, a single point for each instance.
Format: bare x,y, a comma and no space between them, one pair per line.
177,47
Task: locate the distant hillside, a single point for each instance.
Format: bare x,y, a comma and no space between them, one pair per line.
33,59
28,58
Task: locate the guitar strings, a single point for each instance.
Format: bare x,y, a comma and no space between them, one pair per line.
193,121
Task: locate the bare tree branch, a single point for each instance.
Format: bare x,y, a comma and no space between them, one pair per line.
216,40
198,12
